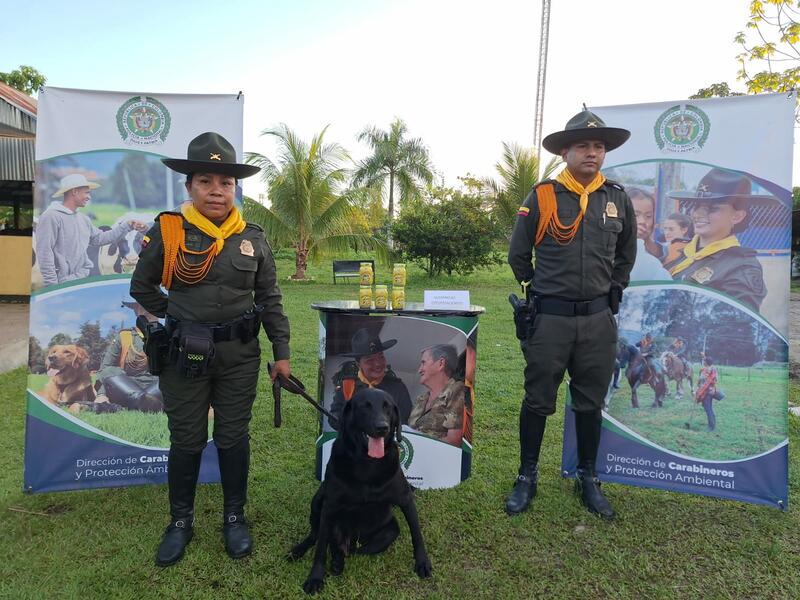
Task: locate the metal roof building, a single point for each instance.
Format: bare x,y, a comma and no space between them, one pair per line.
17,134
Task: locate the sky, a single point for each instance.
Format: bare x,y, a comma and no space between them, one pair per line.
461,74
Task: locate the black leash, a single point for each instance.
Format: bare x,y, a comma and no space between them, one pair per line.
295,386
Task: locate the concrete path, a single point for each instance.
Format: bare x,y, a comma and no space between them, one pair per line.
13,335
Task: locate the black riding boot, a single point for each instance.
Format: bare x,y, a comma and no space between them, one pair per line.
588,427
531,432
183,469
123,390
234,464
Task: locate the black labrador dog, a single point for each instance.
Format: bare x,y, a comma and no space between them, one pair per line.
352,509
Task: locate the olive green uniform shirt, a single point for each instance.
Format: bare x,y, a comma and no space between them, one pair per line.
604,248
446,411
734,271
233,284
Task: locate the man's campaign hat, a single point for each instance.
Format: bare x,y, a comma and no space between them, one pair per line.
719,186
209,152
585,126
72,181
365,343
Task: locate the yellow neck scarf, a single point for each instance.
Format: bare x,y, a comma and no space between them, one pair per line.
692,254
364,379
566,179
233,224
175,249
548,207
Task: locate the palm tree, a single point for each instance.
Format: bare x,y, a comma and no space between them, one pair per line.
310,209
404,161
519,172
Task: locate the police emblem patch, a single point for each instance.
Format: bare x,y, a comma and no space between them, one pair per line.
611,210
246,248
682,128
406,453
703,274
143,120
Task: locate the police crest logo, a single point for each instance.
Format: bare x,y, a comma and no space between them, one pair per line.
143,120
682,128
406,453
246,248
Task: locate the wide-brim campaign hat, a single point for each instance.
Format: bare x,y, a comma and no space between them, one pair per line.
209,152
365,343
582,127
719,186
72,181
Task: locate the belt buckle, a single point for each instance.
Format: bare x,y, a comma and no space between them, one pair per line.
582,308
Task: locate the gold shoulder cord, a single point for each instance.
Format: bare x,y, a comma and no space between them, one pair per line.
175,252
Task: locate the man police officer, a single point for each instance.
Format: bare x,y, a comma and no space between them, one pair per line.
222,284
582,229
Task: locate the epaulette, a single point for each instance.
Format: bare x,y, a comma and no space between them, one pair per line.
167,212
615,185
543,182
255,226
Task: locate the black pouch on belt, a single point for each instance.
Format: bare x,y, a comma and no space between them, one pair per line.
195,349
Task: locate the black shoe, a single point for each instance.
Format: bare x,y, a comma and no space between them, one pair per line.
174,541
523,493
238,542
587,486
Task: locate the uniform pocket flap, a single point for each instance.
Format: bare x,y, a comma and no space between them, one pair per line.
614,225
245,263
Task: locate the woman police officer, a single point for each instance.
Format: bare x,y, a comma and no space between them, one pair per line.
222,283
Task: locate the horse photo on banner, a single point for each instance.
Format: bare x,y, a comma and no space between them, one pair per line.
95,415
699,396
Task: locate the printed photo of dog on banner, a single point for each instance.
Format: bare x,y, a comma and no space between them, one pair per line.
87,358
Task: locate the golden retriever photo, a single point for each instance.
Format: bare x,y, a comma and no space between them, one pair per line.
70,382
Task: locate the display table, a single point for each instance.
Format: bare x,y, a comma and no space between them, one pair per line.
436,404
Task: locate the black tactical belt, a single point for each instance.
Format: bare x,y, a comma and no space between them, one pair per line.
549,305
245,326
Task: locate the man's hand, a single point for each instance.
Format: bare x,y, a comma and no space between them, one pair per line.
138,225
281,367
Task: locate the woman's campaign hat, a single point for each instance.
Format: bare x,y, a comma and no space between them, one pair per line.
585,126
365,343
209,152
72,181
718,186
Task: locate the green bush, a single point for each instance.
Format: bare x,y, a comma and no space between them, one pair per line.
449,233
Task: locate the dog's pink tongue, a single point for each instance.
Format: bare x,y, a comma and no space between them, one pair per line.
52,372
375,449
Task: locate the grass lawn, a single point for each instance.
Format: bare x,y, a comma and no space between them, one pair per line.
747,424
100,544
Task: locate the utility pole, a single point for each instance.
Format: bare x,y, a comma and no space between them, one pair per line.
541,78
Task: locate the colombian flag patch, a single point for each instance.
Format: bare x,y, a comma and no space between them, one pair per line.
523,211
145,241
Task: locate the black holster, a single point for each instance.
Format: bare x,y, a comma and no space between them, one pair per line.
193,349
614,297
524,315
156,343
